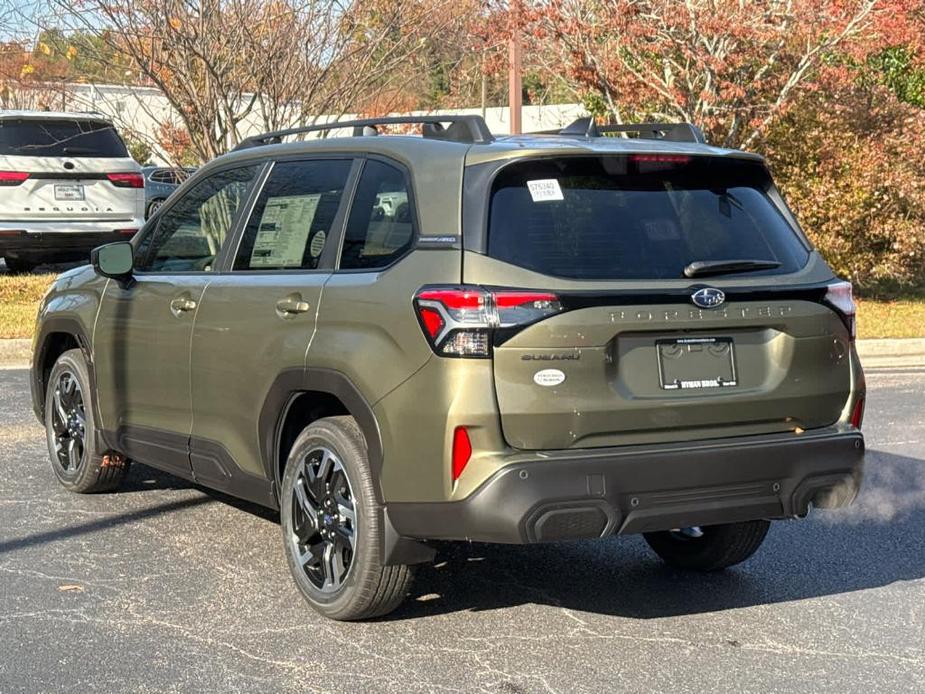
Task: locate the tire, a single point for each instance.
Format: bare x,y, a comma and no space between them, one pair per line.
719,547
83,468
152,207
336,559
19,266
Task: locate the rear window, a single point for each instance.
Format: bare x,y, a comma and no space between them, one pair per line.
60,138
637,216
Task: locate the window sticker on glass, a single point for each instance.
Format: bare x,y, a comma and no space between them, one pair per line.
545,189
283,231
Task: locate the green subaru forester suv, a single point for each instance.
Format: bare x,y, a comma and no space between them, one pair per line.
401,339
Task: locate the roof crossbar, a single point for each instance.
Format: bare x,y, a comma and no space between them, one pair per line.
673,132
462,128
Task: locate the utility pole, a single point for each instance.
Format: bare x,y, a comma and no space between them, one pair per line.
515,67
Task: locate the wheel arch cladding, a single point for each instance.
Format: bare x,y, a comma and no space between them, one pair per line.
296,399
57,336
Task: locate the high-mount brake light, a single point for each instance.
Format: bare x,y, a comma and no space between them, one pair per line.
840,296
12,178
661,158
126,180
458,321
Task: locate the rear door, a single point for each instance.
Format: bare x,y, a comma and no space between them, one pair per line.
655,340
67,170
256,322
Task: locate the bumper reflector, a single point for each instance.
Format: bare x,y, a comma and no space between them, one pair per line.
462,451
857,414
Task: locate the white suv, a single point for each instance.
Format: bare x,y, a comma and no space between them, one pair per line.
67,185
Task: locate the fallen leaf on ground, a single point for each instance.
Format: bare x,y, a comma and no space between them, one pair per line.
71,588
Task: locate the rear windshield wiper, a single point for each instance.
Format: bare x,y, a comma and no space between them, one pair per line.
703,268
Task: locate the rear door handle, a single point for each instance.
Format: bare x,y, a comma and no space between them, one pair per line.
182,304
292,305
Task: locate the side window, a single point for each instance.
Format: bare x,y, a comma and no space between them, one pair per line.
292,218
380,227
190,233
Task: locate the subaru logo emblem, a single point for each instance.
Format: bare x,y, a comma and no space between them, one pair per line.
708,297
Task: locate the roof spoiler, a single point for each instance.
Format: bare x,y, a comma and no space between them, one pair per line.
672,132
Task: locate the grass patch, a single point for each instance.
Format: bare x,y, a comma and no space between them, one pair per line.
900,317
883,314
19,302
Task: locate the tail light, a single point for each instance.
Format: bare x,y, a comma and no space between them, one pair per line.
459,321
840,297
126,180
12,178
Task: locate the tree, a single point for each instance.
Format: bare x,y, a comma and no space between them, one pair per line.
138,148
176,143
228,66
847,156
732,67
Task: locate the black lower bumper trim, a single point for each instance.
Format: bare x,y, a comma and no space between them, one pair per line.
48,246
641,489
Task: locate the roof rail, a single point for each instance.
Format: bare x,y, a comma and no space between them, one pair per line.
462,128
674,132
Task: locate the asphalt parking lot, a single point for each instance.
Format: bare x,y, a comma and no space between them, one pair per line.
166,587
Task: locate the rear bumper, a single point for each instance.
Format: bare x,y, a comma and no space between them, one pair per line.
593,493
49,241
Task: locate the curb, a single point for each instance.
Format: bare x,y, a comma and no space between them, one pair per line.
878,354
874,354
15,353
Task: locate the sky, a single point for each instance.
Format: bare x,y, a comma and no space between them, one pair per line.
18,18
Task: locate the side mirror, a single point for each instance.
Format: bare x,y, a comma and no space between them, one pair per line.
114,260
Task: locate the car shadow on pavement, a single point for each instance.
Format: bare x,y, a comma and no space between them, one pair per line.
878,541
114,521
142,478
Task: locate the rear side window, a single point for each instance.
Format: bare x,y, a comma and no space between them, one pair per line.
637,216
60,138
291,222
380,227
164,176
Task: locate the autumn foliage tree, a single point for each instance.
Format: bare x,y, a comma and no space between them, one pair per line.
811,83
732,67
848,156
226,65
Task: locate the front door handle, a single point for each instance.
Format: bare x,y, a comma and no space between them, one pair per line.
181,305
291,306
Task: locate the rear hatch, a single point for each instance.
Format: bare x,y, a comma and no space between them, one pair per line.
69,170
684,303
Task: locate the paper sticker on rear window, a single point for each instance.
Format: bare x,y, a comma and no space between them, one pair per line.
545,189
